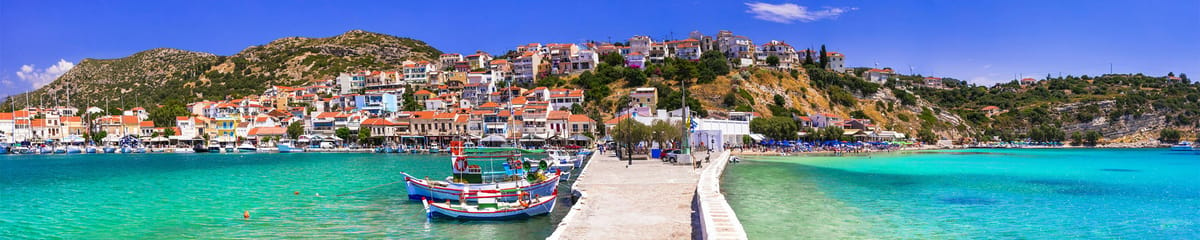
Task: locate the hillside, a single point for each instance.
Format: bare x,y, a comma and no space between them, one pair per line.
1121,107
714,90
156,75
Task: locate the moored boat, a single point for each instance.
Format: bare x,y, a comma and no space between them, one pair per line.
286,146
466,176
1183,146
72,149
247,147
200,148
489,207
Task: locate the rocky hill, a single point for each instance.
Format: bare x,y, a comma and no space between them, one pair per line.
155,75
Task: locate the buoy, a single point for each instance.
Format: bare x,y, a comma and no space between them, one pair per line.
318,194
297,193
246,214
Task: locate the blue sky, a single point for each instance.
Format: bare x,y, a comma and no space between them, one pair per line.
978,41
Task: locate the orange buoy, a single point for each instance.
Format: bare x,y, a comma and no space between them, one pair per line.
246,214
296,193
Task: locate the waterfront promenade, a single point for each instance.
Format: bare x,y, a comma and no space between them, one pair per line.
647,200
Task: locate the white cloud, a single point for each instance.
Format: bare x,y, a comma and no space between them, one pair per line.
987,66
40,77
787,12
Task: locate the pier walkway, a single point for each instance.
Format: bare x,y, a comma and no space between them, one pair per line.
647,200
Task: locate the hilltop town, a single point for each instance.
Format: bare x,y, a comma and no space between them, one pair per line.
558,93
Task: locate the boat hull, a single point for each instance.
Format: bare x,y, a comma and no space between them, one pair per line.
418,188
539,208
1181,148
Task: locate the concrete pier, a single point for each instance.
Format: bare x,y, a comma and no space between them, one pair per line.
716,217
649,200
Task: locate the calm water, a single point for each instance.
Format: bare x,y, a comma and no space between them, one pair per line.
173,196
1040,194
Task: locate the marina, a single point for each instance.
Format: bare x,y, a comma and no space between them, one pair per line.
204,195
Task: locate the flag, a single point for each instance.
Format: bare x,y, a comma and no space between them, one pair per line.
692,124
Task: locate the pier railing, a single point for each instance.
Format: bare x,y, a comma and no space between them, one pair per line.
716,216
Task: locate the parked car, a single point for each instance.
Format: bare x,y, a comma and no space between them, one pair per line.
671,155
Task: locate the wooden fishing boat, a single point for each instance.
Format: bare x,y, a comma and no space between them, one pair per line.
488,206
467,176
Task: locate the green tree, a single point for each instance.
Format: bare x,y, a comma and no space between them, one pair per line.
550,81
99,136
663,132
1076,138
1093,137
165,115
778,128
715,61
577,109
1168,135
363,135
295,129
779,100
629,132
410,101
169,132
613,59
343,133
824,58
773,61
808,57
927,136
634,77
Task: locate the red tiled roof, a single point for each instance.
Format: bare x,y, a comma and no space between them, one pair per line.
423,92
146,124
989,108
558,115
267,131
489,105
616,119
579,118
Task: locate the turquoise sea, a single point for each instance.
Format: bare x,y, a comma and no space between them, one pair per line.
185,196
970,194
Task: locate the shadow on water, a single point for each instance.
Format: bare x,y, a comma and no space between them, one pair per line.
968,201
889,183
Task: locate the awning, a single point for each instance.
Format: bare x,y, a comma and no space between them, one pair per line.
579,137
73,139
757,137
493,138
111,138
531,138
226,139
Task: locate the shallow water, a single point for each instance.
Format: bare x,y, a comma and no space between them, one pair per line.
173,196
1044,194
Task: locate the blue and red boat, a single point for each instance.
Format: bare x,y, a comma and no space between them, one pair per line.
487,206
480,170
